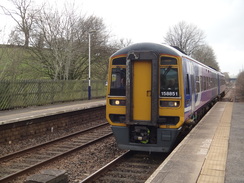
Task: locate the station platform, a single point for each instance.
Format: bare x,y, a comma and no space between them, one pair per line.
211,153
16,115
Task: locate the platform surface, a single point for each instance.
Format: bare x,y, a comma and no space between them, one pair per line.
211,153
235,159
15,115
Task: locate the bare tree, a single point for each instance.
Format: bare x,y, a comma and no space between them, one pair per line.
205,54
123,43
57,41
23,14
60,43
185,36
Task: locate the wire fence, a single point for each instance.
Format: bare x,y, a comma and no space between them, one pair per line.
18,94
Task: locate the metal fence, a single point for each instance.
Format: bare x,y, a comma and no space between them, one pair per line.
16,94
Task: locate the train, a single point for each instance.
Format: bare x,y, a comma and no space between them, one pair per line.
154,92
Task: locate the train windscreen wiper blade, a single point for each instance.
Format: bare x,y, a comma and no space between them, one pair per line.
167,70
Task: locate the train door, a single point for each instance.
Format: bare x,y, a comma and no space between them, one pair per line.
189,87
193,92
142,90
218,79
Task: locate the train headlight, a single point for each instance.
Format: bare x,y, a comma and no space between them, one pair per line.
169,103
173,104
117,102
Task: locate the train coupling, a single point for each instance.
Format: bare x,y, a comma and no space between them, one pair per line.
141,134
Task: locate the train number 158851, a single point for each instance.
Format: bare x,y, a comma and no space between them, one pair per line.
169,94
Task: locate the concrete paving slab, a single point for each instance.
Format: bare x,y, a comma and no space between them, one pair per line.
201,156
235,158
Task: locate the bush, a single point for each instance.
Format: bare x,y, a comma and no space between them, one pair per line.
240,83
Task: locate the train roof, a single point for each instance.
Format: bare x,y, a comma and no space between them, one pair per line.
158,48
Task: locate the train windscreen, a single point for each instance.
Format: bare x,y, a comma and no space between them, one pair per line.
169,85
117,86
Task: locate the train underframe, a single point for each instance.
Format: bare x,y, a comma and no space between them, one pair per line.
145,138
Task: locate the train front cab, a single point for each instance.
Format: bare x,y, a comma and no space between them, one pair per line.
144,103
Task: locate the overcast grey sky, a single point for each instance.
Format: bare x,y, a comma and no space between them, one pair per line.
148,21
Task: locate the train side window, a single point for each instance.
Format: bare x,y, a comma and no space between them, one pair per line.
169,86
207,83
204,83
117,87
192,84
187,84
197,84
211,83
201,81
209,86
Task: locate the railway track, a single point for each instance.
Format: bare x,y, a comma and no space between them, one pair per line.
132,166
18,163
229,96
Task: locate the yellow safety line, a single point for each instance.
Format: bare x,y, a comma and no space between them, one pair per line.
213,170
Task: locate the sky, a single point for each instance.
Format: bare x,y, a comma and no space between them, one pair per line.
222,21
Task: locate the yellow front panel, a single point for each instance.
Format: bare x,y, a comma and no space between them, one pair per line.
142,90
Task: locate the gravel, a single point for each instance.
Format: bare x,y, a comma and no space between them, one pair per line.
31,141
79,164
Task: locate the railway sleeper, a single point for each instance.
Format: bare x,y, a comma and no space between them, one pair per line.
48,176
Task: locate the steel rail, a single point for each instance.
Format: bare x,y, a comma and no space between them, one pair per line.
54,157
99,172
131,166
18,153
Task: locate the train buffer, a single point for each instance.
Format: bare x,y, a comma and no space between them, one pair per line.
211,153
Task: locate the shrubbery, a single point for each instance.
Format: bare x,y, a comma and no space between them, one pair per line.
240,84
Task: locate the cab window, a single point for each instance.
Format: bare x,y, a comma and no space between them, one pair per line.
117,87
169,85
